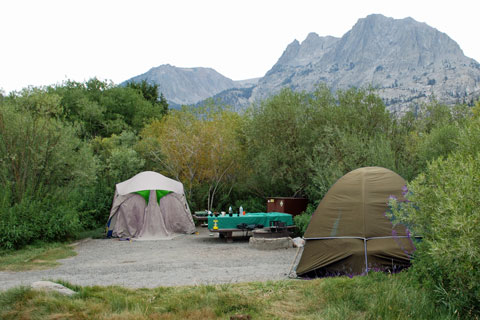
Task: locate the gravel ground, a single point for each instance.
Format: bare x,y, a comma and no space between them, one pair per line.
185,260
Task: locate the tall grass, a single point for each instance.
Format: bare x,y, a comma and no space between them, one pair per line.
376,296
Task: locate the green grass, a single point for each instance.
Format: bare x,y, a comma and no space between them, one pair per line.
377,296
35,257
42,255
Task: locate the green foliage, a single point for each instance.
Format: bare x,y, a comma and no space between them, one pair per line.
438,143
42,163
120,158
198,146
468,141
102,109
94,203
445,210
118,161
150,93
341,153
38,151
276,149
250,204
126,108
45,151
300,144
46,217
124,163
302,220
426,133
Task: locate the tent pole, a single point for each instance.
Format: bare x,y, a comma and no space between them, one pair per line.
366,260
293,263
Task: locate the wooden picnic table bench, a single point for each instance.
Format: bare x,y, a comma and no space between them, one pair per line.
227,234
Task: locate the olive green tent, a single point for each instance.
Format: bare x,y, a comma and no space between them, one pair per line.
349,233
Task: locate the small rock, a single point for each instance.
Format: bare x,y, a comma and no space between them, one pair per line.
52,286
298,242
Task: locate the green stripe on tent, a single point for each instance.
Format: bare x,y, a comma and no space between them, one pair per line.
161,193
146,194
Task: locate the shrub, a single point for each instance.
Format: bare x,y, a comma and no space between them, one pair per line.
302,220
39,151
94,204
37,218
445,210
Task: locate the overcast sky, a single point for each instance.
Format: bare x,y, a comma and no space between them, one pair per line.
46,42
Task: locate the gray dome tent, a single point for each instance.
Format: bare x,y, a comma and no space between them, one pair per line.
349,232
149,206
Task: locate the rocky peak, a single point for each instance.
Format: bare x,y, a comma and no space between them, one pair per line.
407,61
186,85
378,38
311,49
289,54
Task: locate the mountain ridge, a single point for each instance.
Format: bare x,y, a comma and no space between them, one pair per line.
405,60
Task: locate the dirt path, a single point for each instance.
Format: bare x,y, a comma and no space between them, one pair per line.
185,260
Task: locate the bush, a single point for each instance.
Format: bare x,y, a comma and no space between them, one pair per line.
445,210
94,204
438,143
37,218
302,220
39,151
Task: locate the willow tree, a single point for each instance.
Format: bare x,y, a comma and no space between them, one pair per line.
196,145
300,143
38,151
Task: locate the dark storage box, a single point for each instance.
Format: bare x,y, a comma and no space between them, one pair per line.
290,205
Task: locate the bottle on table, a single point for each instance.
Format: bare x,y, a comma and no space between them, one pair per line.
240,211
230,211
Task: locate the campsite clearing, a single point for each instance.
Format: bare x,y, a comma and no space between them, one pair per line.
185,260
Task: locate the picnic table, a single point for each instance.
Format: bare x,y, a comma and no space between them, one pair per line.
226,225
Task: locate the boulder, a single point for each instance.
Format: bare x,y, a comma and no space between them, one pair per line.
52,286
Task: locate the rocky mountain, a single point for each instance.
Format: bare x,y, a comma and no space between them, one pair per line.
408,62
405,60
186,85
